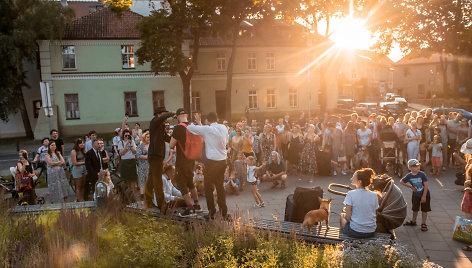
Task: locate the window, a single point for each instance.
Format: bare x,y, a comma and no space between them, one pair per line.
270,61
68,58
127,57
36,108
195,101
421,90
251,61
157,99
131,104
354,75
221,61
292,97
72,106
252,99
271,99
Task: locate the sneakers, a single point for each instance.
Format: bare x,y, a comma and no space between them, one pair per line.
261,205
188,212
334,173
343,173
197,208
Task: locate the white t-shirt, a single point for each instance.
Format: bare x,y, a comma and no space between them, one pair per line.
436,150
129,154
364,206
250,173
410,134
364,136
280,128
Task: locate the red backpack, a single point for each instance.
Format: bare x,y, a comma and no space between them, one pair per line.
193,145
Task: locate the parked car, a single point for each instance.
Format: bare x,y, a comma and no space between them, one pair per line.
446,111
402,102
391,96
345,105
365,108
391,108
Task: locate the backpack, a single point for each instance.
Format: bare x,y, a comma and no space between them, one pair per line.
193,145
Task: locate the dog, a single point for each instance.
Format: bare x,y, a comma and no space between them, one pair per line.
317,215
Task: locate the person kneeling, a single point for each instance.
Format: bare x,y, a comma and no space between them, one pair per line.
359,221
276,170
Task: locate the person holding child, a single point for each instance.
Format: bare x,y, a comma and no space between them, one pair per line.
417,181
359,221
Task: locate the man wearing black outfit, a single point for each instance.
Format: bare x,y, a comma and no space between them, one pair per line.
93,164
59,142
156,155
183,166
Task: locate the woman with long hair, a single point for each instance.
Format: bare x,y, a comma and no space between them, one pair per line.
58,185
267,142
127,149
413,137
79,171
142,163
308,157
349,144
359,221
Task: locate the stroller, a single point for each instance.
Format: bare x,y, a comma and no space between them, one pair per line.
390,158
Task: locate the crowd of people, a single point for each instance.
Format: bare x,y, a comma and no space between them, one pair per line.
155,164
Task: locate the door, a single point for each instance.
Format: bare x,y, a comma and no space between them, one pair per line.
220,99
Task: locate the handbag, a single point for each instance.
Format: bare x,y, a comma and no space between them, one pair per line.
462,230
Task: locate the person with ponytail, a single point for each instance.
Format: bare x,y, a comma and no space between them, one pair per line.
359,221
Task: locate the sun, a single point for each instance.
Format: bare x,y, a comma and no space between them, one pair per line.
351,33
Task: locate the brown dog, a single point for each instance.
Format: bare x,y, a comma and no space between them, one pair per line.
317,215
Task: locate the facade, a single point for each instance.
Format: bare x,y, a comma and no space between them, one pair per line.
422,78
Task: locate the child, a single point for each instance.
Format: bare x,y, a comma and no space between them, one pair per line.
421,197
251,170
198,179
436,147
104,178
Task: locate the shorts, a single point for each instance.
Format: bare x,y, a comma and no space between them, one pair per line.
184,180
436,161
416,203
78,171
351,233
256,182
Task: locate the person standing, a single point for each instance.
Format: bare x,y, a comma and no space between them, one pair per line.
142,162
452,126
127,149
40,157
88,144
93,164
78,168
59,142
156,153
58,185
413,137
216,138
184,166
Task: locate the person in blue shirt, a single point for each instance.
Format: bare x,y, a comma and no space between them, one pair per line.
417,181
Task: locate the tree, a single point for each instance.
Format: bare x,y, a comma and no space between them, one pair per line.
424,27
164,33
22,22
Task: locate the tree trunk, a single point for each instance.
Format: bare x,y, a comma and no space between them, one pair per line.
322,95
229,70
443,62
24,115
185,89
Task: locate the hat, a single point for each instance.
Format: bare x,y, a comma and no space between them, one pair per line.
180,111
467,147
117,129
413,162
161,109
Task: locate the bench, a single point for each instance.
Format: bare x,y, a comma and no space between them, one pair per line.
318,235
37,209
284,228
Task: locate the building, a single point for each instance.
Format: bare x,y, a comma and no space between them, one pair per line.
422,78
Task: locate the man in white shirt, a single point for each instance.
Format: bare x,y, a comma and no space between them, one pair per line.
216,138
172,196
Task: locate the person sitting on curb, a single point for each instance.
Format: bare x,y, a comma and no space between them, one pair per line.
276,170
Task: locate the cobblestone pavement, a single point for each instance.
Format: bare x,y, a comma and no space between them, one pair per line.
436,244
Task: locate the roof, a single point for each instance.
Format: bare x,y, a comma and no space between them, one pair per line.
102,25
434,58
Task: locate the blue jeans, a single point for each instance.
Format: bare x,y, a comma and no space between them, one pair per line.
349,232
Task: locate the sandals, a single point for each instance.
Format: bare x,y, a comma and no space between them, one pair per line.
467,248
410,223
424,227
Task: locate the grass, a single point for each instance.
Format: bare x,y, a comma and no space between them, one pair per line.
109,237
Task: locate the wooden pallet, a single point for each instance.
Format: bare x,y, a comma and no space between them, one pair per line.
36,209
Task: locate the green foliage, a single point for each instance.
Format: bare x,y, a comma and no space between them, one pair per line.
22,22
103,239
